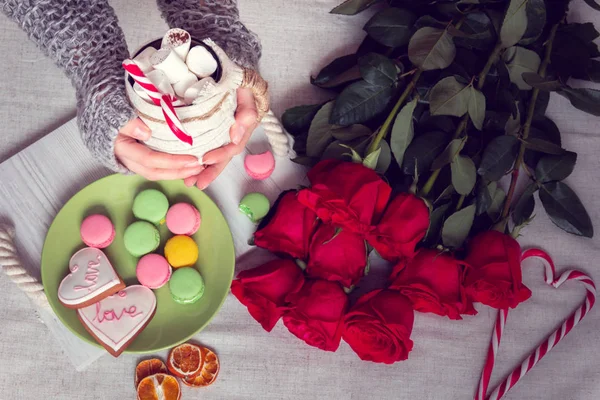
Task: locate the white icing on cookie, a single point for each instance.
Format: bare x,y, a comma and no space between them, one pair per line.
117,319
91,275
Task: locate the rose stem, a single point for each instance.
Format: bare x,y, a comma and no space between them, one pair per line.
465,119
388,122
527,125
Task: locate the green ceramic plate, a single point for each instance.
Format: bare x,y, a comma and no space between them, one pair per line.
113,196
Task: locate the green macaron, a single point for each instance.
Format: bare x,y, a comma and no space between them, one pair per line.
141,238
255,206
186,285
151,205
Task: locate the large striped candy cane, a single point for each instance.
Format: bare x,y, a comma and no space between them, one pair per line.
550,341
166,102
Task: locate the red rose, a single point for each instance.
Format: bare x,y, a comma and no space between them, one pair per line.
288,231
379,325
403,225
340,258
316,314
494,277
434,283
346,194
264,289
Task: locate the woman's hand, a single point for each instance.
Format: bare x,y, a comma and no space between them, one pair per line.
150,164
246,120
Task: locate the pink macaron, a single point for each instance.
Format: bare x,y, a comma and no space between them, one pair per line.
97,231
153,271
183,219
260,166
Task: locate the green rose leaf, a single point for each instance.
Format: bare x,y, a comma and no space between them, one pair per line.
587,100
498,157
476,108
385,157
336,151
360,102
306,161
431,48
565,209
436,219
391,27
457,227
353,7
514,24
403,131
378,70
592,72
348,133
449,154
464,174
525,206
320,133
536,20
518,61
536,81
449,97
543,146
555,168
340,71
498,197
483,199
480,30
297,120
422,151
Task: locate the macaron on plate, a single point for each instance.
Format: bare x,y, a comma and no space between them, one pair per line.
103,216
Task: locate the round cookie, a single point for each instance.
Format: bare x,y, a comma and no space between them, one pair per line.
153,271
97,231
183,219
141,238
186,286
151,205
259,166
255,206
181,251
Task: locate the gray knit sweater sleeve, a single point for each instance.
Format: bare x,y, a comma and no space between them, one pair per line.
84,39
218,20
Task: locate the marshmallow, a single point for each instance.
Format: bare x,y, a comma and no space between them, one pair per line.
169,62
142,93
201,62
199,91
161,81
184,84
143,59
178,40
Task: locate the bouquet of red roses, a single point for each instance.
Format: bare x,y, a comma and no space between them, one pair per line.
323,235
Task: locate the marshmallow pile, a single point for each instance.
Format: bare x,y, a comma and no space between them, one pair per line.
176,69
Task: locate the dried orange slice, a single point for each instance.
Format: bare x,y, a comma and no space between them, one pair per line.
159,387
185,360
209,372
149,368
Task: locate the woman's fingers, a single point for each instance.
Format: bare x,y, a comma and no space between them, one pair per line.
211,173
125,147
191,181
158,174
136,129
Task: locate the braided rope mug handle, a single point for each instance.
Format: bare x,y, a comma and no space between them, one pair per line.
12,266
278,139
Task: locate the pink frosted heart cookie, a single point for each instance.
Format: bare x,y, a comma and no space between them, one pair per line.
260,166
91,279
117,320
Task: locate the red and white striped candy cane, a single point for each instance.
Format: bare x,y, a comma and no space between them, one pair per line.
550,341
138,75
164,101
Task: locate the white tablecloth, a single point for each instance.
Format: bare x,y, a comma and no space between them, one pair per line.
298,38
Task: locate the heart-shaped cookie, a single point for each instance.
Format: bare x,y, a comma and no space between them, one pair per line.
551,341
91,279
115,321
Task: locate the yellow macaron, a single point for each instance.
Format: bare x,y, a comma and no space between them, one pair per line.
181,251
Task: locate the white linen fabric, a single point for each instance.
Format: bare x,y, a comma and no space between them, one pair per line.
298,38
